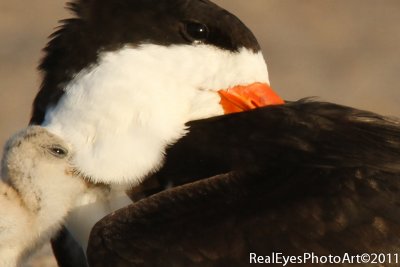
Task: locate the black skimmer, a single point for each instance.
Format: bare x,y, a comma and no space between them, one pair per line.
128,87
125,77
37,190
121,79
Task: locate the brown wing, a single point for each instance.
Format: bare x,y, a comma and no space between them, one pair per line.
311,177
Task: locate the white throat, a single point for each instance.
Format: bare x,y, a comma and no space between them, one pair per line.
122,113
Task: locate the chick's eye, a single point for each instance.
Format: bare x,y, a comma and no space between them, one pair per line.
195,31
59,152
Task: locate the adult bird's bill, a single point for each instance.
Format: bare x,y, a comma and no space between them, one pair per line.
243,98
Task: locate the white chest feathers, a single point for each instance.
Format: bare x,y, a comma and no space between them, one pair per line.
122,113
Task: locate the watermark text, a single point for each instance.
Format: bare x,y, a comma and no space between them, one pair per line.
312,258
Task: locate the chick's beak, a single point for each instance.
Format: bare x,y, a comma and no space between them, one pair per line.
243,98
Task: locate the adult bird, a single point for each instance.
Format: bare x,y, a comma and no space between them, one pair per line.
122,78
309,180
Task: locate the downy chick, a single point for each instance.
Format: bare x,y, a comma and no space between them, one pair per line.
37,190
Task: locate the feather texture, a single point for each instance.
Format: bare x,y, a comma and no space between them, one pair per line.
304,177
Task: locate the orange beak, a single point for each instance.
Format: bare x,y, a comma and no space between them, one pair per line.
242,98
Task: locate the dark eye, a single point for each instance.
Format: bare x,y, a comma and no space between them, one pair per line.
58,151
194,31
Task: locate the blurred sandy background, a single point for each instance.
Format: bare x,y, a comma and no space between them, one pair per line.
345,51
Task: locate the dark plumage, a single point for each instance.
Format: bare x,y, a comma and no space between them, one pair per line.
67,251
303,177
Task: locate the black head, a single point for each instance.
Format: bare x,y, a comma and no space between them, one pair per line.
108,25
